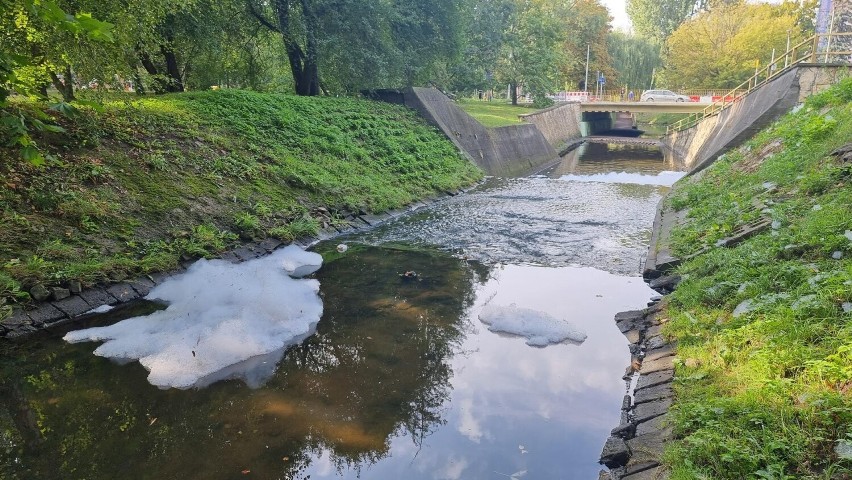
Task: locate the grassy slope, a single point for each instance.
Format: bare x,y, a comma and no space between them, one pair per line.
768,394
495,113
148,181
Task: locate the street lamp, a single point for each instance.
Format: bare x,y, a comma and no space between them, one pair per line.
586,81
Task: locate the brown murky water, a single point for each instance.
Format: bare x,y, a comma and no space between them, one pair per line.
401,379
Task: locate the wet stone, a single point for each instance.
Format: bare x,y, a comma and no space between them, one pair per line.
60,293
96,297
651,379
158,278
270,244
654,473
654,330
646,411
658,353
375,219
21,331
39,293
122,292
653,425
649,448
75,287
244,254
230,257
625,430
664,390
668,282
634,468
72,306
44,314
655,342
142,285
664,363
18,318
615,452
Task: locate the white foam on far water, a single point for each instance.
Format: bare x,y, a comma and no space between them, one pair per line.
223,320
664,178
539,328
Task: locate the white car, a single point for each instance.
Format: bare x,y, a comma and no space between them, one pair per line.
663,96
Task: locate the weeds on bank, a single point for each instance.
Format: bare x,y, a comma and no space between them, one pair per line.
764,330
145,182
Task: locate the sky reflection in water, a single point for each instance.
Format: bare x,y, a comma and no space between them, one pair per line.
516,408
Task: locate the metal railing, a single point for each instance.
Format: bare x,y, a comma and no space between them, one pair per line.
816,49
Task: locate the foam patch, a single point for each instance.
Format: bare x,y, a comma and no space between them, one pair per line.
223,320
665,178
539,328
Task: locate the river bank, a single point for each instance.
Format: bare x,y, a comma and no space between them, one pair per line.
144,184
761,244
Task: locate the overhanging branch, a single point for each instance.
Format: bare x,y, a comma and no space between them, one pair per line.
260,17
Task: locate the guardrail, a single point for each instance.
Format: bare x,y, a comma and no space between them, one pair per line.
816,49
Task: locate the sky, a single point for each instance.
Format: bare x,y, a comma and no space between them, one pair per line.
618,10
620,20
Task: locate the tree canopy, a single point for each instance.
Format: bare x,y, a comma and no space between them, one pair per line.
722,47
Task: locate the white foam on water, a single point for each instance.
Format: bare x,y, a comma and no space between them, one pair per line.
101,309
222,321
664,178
539,328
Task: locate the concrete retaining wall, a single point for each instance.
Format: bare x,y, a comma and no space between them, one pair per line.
697,147
559,124
503,151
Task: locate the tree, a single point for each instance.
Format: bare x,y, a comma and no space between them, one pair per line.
41,32
657,19
720,48
529,54
634,59
586,23
296,22
483,36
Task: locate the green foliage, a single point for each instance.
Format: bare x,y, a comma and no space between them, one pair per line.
634,58
657,19
721,48
765,393
494,113
143,183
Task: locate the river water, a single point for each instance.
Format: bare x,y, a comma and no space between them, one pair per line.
401,378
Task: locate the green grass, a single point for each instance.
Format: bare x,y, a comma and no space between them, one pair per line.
151,180
495,113
768,393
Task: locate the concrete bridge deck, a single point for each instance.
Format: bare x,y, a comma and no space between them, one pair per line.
644,107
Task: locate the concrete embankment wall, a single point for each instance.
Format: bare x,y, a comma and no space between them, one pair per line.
699,146
504,151
559,124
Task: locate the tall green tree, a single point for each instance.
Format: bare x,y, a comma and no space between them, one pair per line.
634,59
585,23
720,48
657,19
487,22
530,55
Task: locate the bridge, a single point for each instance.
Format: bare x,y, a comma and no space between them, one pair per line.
644,107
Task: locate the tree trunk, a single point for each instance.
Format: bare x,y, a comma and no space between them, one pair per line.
160,84
138,86
513,91
65,85
303,63
174,82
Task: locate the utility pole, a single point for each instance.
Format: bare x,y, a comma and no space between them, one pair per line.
586,81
